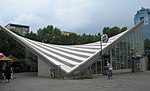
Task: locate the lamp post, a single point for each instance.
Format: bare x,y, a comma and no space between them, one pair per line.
100,56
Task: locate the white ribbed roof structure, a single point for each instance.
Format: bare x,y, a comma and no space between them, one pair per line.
68,57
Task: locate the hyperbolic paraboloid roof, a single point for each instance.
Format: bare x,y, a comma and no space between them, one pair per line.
68,57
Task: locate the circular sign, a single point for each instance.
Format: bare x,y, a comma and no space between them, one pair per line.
104,38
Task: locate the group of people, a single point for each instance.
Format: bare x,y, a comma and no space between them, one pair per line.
7,72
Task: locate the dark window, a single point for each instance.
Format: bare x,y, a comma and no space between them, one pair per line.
141,18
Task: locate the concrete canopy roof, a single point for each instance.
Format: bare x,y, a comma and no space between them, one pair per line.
68,57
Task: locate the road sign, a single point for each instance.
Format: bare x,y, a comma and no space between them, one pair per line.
104,38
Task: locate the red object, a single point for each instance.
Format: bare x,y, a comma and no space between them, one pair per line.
1,55
104,36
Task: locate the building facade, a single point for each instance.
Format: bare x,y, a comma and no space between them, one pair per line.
65,33
125,56
144,13
20,29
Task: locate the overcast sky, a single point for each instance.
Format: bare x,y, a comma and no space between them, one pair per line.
79,16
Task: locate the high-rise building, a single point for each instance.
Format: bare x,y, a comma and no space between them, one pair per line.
144,13
18,28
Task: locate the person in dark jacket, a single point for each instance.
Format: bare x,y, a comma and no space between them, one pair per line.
8,72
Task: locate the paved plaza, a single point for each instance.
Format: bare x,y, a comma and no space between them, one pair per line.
121,82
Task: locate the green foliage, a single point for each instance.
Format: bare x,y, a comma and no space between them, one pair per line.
32,36
106,30
147,44
48,34
123,29
113,31
53,35
9,46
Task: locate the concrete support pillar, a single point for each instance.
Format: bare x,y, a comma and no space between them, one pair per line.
143,64
43,68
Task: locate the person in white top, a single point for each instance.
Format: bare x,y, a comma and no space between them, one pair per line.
109,66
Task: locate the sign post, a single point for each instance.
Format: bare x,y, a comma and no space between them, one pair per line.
104,39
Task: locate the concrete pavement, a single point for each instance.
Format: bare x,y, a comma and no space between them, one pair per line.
121,82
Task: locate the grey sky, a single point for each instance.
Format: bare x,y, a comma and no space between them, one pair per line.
79,16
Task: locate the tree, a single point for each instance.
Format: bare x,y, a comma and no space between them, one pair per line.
147,44
46,34
32,36
123,29
113,31
73,38
106,30
57,31
9,46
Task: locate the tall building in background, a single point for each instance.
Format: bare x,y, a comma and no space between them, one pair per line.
18,28
144,13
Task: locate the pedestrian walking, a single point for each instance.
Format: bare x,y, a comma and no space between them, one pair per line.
52,73
110,68
12,73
